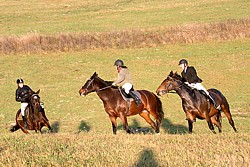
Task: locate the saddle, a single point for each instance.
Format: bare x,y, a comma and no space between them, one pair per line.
203,94
128,97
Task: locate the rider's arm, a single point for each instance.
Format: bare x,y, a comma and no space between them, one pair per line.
18,98
121,77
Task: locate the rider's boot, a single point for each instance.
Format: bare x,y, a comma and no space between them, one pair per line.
25,122
136,99
41,107
216,105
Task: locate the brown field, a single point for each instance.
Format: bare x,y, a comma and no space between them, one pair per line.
135,38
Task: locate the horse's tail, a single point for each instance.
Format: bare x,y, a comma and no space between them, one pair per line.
14,128
159,108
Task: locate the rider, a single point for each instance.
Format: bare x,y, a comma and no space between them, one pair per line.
23,96
190,78
124,79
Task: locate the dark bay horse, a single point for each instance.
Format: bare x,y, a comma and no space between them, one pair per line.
36,117
195,104
116,106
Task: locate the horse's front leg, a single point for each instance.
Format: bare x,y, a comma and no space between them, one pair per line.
190,126
191,119
114,123
125,123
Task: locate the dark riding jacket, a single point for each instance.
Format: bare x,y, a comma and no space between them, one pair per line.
22,94
190,75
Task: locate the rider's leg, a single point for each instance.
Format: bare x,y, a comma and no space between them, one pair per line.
127,87
137,100
23,107
199,86
41,107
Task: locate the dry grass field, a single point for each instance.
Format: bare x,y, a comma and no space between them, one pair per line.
82,130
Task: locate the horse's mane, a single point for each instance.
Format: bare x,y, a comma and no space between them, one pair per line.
175,75
107,83
178,77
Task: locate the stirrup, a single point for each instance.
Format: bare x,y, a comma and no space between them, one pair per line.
25,126
217,107
138,102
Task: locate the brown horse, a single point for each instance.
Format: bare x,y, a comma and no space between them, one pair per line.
116,106
35,115
195,104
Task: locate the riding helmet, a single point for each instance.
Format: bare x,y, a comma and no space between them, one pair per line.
118,62
20,80
183,61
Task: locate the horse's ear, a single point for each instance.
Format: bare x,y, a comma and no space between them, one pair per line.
95,74
177,75
171,73
37,92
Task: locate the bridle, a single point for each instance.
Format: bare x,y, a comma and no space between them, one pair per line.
176,88
35,96
91,84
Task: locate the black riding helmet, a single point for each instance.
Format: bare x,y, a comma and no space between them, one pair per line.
119,62
183,61
20,80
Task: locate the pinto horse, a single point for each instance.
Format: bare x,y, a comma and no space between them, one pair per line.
36,117
116,106
195,104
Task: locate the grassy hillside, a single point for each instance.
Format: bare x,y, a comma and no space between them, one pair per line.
82,130
138,151
60,75
22,17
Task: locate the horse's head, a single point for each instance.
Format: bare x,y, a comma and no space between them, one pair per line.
89,86
172,82
35,99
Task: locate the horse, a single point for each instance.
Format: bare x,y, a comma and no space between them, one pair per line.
195,104
36,117
115,106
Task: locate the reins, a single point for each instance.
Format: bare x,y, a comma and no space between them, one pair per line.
178,87
91,82
104,88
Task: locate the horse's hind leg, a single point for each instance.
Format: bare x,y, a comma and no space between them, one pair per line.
216,120
229,117
50,128
210,125
46,123
158,120
209,122
146,116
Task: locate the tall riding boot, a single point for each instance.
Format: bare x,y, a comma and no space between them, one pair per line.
41,107
216,105
25,122
136,99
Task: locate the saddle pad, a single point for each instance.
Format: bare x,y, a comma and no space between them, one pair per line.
131,99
